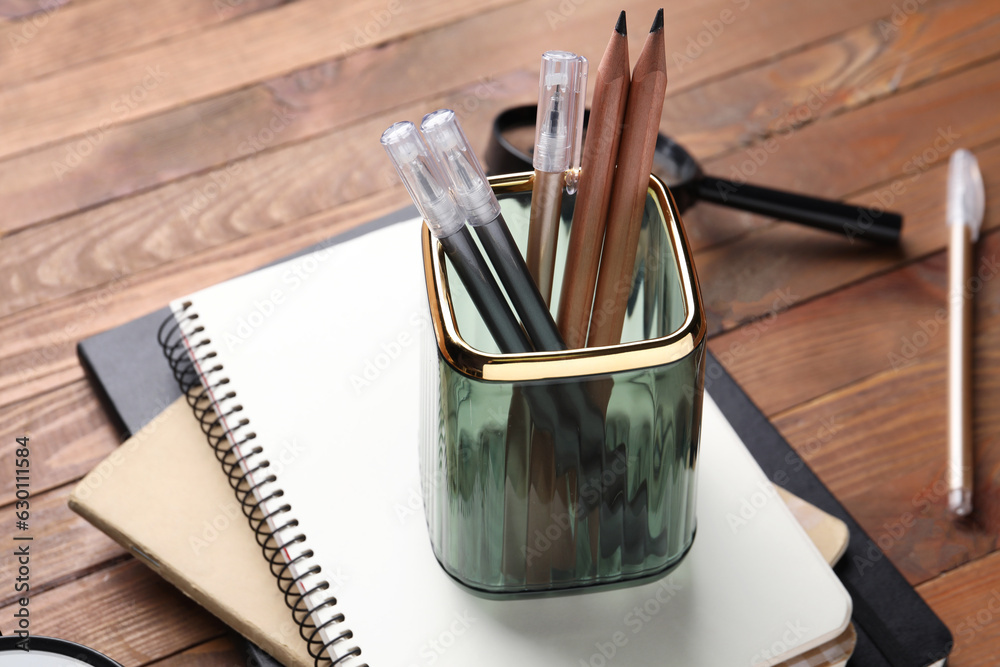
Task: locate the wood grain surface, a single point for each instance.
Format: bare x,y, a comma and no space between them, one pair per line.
150,150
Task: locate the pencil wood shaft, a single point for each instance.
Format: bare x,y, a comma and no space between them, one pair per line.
599,154
628,192
543,229
542,503
516,484
960,466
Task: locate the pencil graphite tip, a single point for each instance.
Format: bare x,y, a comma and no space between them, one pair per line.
658,21
620,26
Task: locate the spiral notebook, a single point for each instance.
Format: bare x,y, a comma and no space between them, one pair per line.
201,544
311,367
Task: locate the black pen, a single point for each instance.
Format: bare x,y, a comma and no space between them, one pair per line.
476,200
421,175
586,424
563,410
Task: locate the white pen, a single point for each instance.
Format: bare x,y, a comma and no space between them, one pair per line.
966,201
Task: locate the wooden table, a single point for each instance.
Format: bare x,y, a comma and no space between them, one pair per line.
151,149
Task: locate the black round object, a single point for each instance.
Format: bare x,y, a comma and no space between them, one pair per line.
49,652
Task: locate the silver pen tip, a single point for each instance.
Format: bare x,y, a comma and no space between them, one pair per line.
960,502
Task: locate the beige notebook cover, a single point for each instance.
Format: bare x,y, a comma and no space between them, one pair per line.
162,495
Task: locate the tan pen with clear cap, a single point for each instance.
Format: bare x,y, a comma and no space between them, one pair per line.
966,201
562,88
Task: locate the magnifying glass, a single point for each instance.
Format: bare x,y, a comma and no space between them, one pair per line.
689,184
49,652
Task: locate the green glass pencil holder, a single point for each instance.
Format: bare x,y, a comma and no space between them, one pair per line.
554,472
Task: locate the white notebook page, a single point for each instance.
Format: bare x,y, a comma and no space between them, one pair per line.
323,352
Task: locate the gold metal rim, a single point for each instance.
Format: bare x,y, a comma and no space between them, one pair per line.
569,363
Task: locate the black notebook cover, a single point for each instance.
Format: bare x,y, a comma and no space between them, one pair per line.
895,627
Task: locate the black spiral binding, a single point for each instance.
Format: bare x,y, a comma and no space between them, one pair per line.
187,350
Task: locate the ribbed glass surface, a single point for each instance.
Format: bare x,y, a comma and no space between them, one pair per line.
552,485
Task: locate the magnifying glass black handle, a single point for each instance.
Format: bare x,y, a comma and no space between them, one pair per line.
859,222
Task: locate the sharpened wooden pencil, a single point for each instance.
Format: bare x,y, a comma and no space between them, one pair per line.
590,214
628,191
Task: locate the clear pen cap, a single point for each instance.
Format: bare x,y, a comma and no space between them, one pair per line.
576,131
966,198
422,177
560,101
462,170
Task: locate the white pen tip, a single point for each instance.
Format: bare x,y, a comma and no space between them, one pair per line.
966,196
